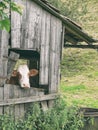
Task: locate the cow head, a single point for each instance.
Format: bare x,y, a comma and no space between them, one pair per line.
23,73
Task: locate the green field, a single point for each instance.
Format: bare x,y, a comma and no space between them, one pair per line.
79,67
79,83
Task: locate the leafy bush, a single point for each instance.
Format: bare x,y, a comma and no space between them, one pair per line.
4,13
60,117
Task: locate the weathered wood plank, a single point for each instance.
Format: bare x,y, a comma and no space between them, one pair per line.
58,50
52,59
3,70
12,59
4,66
19,108
11,96
44,104
24,26
15,40
33,25
24,106
12,92
18,22
29,99
62,41
6,96
56,28
4,38
15,27
54,56
1,99
25,30
50,103
44,51
7,66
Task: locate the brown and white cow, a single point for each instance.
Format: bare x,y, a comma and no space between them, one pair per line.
21,76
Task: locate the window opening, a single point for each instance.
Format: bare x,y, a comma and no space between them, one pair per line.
31,59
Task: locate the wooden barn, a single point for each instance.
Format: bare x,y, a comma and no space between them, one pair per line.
37,36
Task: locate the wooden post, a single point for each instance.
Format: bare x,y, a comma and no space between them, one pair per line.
12,59
4,37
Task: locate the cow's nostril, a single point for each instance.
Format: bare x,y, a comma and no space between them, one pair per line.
26,86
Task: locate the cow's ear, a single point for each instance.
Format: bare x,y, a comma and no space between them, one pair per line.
33,72
14,73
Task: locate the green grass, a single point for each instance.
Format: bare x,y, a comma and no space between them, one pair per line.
96,74
79,83
79,67
86,102
73,89
77,61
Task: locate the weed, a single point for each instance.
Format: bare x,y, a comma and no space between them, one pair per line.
60,117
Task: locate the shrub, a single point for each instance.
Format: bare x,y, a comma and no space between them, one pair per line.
60,117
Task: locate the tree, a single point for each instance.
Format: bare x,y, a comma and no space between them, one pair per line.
5,7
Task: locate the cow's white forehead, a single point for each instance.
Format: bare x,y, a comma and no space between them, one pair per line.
23,69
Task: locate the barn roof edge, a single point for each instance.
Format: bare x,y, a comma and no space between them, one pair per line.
72,27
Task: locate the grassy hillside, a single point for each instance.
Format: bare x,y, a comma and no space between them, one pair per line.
85,12
90,20
79,83
79,67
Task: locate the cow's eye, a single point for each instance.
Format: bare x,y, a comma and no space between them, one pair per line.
19,75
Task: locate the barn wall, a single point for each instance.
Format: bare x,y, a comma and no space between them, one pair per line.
4,38
26,28
44,47
39,30
54,54
50,49
9,94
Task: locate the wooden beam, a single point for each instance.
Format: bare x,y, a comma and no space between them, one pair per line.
91,114
81,46
28,99
70,39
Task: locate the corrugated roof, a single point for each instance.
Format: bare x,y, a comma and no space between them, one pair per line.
74,32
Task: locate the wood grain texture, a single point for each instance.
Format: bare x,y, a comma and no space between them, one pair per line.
16,27
15,100
62,41
12,59
54,65
6,96
26,28
27,96
1,99
4,38
33,24
44,51
29,99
